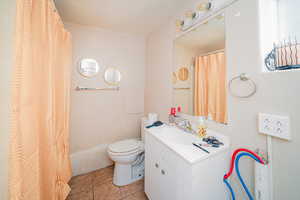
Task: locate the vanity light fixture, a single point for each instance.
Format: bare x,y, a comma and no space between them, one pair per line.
179,24
204,6
188,20
189,14
192,17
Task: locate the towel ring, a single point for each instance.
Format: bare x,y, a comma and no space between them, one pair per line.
242,77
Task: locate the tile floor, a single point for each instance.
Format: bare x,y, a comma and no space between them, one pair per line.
98,185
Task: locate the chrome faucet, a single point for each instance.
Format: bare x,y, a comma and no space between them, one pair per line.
184,125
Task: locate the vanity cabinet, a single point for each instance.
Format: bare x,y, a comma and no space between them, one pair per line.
169,176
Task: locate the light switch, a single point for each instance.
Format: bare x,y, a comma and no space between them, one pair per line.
274,125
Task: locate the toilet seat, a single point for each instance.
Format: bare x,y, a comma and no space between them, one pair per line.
126,147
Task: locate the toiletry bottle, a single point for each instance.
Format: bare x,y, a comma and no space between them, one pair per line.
172,115
179,111
201,128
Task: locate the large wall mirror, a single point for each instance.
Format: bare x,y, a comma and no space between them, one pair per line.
200,66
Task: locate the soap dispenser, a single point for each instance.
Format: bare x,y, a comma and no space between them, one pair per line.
201,131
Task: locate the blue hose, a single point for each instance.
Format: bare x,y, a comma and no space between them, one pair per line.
238,171
230,189
239,175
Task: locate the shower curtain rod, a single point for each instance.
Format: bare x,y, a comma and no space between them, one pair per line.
207,54
213,52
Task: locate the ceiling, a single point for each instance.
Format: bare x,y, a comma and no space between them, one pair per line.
207,37
134,16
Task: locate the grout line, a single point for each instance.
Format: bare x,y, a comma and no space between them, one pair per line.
108,182
93,188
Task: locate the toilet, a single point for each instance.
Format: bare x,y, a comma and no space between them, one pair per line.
128,156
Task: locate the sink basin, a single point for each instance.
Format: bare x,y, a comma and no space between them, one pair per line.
182,143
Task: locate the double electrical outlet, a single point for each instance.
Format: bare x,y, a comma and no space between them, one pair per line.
274,125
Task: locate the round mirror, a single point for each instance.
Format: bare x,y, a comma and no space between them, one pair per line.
88,67
183,74
112,76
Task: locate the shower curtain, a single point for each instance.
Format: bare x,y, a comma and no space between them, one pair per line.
210,87
39,151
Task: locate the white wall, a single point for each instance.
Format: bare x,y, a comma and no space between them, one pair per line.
277,93
99,118
158,88
7,23
7,20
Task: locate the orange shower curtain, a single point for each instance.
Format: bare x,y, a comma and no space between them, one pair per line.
210,87
39,151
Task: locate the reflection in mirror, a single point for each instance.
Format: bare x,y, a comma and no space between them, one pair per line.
183,74
288,20
174,78
112,76
88,67
201,88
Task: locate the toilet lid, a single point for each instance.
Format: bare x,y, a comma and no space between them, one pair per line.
125,146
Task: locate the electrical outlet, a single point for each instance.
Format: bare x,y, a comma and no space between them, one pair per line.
274,125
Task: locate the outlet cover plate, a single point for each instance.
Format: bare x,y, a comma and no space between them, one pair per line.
274,125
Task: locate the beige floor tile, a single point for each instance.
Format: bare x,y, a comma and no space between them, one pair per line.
107,191
78,179
136,196
103,175
82,183
88,195
98,185
132,188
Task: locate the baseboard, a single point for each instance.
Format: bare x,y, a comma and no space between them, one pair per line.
90,160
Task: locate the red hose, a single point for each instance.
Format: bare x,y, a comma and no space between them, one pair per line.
226,176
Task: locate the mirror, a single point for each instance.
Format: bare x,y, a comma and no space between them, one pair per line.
288,20
183,74
88,67
112,76
199,62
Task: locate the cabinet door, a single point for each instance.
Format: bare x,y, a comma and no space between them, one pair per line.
170,175
162,178
152,166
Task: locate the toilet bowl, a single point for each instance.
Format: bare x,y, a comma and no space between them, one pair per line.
125,154
128,156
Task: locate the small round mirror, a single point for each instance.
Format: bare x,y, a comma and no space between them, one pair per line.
112,76
88,67
183,74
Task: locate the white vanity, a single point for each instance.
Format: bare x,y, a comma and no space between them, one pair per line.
177,170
